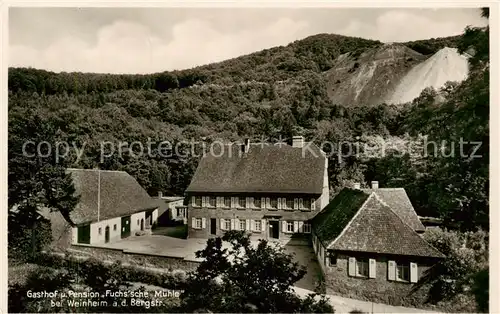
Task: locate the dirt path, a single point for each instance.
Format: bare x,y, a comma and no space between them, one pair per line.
345,305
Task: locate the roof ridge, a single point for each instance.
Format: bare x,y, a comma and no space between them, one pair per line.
379,198
101,170
386,189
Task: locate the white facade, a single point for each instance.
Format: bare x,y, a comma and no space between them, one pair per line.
98,229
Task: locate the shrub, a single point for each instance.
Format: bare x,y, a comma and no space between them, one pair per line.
463,274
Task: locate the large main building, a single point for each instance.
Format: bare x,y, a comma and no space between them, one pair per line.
272,191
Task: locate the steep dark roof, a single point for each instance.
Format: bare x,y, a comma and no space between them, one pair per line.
264,168
330,222
397,200
360,220
377,229
120,195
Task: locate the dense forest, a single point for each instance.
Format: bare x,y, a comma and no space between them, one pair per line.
271,93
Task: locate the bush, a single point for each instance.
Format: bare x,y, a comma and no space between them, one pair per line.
463,274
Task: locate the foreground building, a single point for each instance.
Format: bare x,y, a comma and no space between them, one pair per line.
112,206
271,191
368,244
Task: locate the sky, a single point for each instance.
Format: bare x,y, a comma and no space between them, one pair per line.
147,40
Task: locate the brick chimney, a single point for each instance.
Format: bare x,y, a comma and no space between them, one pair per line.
356,186
298,141
374,185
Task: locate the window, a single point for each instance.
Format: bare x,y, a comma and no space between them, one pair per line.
250,202
332,259
114,227
306,204
257,225
227,202
197,201
227,224
307,227
241,202
211,201
137,221
273,203
402,272
198,224
289,203
243,225
362,268
289,226
257,202
100,230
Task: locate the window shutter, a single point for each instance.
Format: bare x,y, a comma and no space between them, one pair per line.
391,273
413,272
295,226
280,204
352,266
232,224
203,223
301,203
301,226
283,226
192,201
295,203
262,202
252,225
251,205
217,201
222,221
313,204
232,201
268,202
247,225
193,222
263,225
372,270
236,224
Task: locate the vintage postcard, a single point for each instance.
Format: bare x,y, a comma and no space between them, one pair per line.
239,157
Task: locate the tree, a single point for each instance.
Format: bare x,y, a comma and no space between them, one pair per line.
236,276
37,181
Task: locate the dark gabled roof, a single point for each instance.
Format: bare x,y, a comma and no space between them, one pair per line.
264,168
398,201
330,222
378,229
120,195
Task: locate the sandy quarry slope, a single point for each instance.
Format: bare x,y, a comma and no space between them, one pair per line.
445,65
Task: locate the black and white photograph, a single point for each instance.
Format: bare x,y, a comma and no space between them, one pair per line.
229,158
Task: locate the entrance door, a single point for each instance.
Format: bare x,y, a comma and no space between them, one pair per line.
106,234
274,229
213,226
142,224
125,226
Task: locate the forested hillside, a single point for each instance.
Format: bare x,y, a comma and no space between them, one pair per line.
282,91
